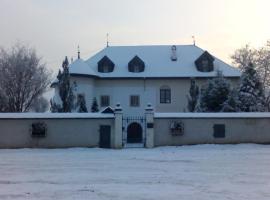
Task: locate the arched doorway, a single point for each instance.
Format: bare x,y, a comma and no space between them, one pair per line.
134,133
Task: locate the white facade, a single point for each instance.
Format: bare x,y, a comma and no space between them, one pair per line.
159,72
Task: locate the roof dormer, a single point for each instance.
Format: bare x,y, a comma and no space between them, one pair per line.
105,65
136,65
205,63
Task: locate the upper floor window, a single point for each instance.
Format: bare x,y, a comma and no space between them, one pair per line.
136,65
105,101
134,101
105,65
165,95
205,63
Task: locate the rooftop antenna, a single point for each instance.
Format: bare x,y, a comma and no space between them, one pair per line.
79,52
194,40
107,39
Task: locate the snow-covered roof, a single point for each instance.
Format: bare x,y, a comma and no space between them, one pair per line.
157,59
54,115
79,66
214,115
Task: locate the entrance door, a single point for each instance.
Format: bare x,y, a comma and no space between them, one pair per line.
105,136
134,133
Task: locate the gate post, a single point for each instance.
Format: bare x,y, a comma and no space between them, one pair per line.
149,115
118,126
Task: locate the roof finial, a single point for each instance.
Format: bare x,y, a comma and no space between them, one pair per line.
79,52
107,39
194,40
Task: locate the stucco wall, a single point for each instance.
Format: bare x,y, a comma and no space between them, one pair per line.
200,131
120,91
15,133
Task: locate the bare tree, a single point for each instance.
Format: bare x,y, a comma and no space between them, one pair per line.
259,57
23,78
40,105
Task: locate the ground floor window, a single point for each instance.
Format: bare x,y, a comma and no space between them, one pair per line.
219,130
165,94
105,101
134,101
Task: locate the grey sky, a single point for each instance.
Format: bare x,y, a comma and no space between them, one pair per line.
56,27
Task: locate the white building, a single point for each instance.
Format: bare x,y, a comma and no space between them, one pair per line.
137,75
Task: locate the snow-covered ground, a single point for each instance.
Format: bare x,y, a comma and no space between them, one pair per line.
191,172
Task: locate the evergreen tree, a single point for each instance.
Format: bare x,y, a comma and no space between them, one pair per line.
193,96
251,92
94,107
81,104
232,103
215,94
65,89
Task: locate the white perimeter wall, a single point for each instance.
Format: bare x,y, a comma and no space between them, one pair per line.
66,132
200,130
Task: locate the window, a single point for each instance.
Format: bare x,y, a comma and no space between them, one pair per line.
39,130
134,101
106,69
219,130
136,65
105,65
136,68
105,101
165,95
205,64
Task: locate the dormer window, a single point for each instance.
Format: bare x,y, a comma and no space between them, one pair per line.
205,63
106,69
136,68
105,65
136,65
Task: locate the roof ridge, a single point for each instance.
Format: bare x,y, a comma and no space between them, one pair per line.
150,45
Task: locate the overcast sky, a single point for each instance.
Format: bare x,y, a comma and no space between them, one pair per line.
56,27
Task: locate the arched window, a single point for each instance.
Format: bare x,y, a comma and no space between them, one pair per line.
165,95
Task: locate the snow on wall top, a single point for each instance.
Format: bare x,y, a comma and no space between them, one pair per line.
157,59
54,115
214,115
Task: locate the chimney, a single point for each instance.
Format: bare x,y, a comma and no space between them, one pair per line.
174,56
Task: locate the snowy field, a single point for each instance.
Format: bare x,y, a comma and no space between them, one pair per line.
203,172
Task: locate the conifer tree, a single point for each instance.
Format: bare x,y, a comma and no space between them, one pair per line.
251,92
193,96
232,103
214,94
94,107
81,104
65,89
